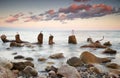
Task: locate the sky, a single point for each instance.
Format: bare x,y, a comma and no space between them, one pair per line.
61,14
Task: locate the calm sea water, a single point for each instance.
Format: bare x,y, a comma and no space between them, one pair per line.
61,45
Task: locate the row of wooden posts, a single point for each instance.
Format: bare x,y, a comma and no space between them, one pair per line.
71,39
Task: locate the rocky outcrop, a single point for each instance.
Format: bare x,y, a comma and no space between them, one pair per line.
30,71
74,61
18,40
88,58
50,42
20,65
56,56
68,72
40,38
72,39
14,44
109,51
95,44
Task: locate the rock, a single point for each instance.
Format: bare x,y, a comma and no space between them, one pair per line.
115,71
6,73
94,69
14,44
51,68
68,72
4,38
107,44
21,65
6,64
40,38
19,57
56,56
113,65
50,42
109,51
72,39
29,58
88,58
42,59
52,74
14,53
30,71
50,62
74,61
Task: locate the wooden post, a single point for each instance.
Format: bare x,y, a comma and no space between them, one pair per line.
40,38
50,42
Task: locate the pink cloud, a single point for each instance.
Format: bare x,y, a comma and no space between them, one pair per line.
51,12
11,19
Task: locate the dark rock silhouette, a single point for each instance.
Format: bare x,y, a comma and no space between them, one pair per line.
93,44
50,42
107,43
72,39
18,40
109,51
14,44
40,38
4,39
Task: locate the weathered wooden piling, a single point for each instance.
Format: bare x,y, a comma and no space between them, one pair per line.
4,38
72,39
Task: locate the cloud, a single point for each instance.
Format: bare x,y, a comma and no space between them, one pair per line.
81,0
14,18
11,19
34,18
51,12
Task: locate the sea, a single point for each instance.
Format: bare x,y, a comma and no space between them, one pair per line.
61,46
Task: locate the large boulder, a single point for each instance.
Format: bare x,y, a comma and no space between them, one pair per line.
5,63
74,61
68,71
89,58
6,73
72,39
56,56
109,51
30,71
20,65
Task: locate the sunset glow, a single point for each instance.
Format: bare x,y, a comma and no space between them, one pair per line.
68,14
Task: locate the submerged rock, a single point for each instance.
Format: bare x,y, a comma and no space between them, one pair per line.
56,56
19,57
68,72
29,58
42,59
72,39
109,51
74,61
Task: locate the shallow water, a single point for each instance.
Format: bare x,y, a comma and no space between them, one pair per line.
61,46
